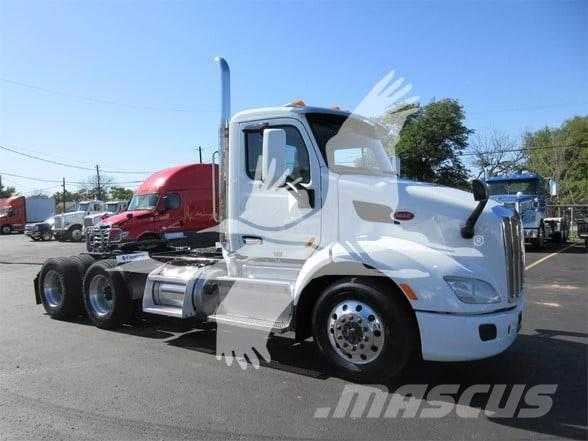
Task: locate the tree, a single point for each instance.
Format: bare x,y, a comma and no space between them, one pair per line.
6,192
90,188
120,193
431,143
562,154
494,154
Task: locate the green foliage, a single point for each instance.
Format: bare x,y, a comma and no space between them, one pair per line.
6,192
562,154
431,142
120,194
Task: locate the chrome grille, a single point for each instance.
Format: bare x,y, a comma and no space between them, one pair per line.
514,253
58,222
88,222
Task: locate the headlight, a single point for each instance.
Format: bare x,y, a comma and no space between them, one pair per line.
473,290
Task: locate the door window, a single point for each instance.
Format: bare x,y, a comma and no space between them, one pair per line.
296,154
172,201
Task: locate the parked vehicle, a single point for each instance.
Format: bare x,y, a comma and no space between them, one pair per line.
41,230
69,226
319,240
526,193
176,201
110,208
18,210
582,225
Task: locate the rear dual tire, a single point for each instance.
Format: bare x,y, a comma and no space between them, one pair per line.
106,297
60,286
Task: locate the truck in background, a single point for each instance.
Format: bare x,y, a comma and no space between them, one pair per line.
69,226
378,269
175,202
110,208
20,210
40,230
527,194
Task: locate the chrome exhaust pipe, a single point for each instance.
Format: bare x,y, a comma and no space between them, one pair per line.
223,140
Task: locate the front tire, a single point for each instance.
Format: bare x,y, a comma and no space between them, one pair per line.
6,229
46,236
60,286
75,234
364,330
106,297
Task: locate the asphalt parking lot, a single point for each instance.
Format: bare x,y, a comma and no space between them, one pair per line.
160,379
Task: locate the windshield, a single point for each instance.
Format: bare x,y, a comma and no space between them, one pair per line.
349,145
144,202
526,186
112,207
84,206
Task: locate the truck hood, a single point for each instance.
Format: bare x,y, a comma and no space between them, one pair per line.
121,218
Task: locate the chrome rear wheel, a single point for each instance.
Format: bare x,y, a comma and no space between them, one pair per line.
53,288
100,295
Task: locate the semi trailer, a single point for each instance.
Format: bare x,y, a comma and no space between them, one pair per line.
318,236
17,211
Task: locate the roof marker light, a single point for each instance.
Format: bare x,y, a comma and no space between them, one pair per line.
297,103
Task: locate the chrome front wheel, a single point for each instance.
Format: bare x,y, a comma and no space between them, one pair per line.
356,332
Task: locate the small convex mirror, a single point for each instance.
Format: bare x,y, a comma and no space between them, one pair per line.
552,188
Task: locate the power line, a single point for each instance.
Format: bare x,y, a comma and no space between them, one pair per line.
63,164
536,107
59,181
103,101
523,149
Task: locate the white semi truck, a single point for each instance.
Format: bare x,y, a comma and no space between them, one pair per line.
110,208
70,225
318,236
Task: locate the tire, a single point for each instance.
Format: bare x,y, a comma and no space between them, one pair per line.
106,297
75,234
46,236
6,229
60,287
390,341
35,239
557,237
83,262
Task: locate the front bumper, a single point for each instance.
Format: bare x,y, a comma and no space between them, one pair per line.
459,337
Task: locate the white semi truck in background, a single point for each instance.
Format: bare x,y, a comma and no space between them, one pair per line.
318,236
70,225
110,208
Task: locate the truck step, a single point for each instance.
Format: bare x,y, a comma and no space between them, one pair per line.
249,322
169,311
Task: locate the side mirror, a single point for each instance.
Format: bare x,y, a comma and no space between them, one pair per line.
129,215
162,205
273,167
480,190
552,188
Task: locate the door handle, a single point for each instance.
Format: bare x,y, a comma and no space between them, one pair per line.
252,240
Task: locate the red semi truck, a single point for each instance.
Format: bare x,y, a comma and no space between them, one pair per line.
175,203
16,211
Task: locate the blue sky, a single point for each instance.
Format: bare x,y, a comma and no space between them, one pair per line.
513,65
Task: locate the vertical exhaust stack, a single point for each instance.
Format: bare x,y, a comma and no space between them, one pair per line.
223,138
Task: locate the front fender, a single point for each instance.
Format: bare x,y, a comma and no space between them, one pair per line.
420,266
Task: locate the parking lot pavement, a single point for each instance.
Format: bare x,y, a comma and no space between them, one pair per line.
159,379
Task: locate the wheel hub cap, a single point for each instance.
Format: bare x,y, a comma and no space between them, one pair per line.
53,288
356,332
100,295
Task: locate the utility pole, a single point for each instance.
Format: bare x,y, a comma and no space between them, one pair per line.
200,153
63,201
98,183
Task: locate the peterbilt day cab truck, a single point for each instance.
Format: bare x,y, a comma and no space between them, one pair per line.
70,225
175,202
17,211
320,237
527,194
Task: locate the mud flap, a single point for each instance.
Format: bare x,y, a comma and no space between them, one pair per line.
37,293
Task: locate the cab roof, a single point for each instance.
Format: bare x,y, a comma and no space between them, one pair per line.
514,177
177,178
288,110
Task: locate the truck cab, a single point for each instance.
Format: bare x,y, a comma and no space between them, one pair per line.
69,226
174,202
17,211
527,193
